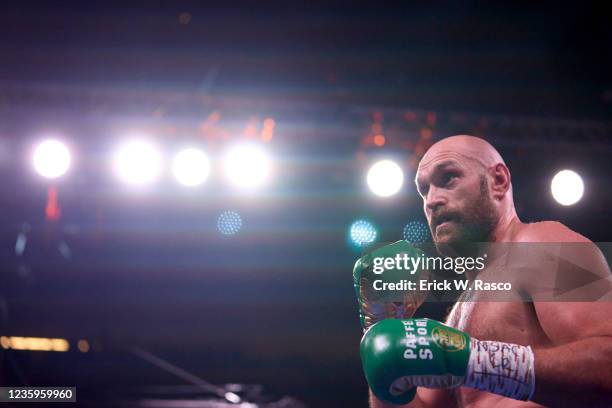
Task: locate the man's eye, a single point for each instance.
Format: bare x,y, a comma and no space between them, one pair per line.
448,178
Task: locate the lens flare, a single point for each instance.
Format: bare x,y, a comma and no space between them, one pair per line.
362,232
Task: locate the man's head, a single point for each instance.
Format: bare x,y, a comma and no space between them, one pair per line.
466,190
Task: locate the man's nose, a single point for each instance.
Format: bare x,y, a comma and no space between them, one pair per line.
434,199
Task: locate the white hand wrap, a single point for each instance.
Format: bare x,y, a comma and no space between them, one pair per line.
501,368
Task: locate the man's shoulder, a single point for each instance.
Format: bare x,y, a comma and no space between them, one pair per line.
558,261
548,231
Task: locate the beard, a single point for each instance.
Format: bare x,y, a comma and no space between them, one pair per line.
474,223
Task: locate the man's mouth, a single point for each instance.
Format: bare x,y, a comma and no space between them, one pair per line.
442,221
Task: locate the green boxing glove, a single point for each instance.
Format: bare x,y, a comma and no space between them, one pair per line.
400,355
381,288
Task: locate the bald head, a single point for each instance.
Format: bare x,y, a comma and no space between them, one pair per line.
469,147
466,189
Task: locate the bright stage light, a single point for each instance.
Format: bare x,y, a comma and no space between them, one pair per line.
229,223
51,159
416,232
138,162
362,232
247,166
191,167
385,178
567,187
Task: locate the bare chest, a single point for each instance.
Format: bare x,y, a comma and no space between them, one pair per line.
511,322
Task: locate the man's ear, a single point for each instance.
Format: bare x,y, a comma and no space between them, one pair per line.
500,180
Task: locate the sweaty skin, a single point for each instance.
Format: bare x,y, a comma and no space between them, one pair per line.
467,196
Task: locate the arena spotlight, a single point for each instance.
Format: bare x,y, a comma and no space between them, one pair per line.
138,162
385,178
51,159
247,166
191,167
567,187
229,223
416,232
362,233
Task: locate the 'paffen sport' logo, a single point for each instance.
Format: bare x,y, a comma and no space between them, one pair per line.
448,340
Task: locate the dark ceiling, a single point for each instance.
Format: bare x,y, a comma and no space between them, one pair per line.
542,59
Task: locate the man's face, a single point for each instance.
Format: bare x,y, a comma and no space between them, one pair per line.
456,200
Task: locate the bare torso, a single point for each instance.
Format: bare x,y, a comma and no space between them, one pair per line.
510,322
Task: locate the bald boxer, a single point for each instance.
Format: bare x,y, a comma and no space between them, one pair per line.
564,349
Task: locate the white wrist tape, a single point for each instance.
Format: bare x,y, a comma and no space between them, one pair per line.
501,368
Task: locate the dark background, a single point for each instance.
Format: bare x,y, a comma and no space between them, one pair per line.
274,304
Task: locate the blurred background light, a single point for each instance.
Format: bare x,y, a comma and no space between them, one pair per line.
247,166
385,178
138,162
379,140
191,167
34,343
362,232
20,244
416,232
83,345
51,159
567,187
229,223
267,133
233,398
